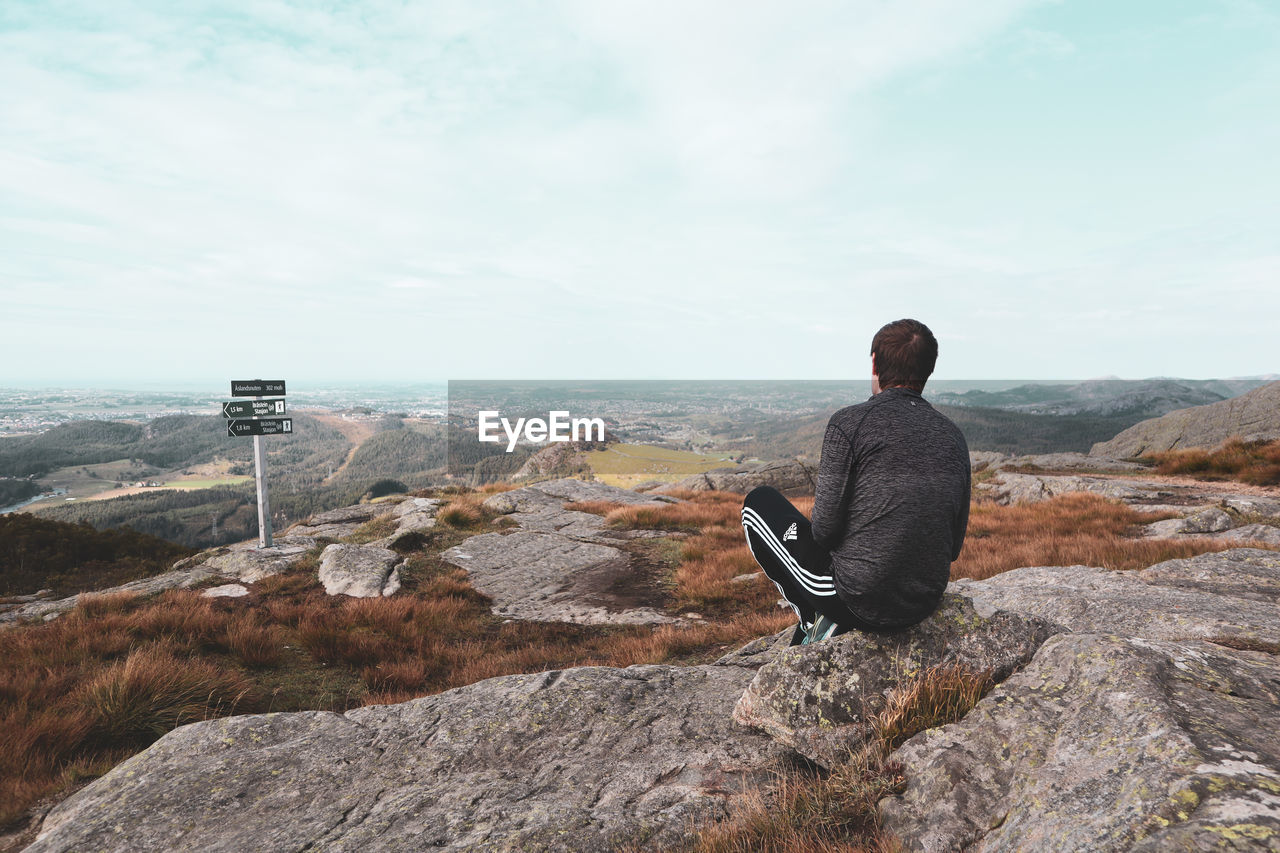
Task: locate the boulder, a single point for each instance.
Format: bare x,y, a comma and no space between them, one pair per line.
789,476
360,571
816,698
1104,743
584,759
1209,520
1155,603
251,565
416,514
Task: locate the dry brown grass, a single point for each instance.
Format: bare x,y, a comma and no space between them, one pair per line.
463,512
1254,462
1072,529
714,558
939,695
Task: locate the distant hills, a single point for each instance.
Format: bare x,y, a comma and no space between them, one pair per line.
1143,398
1255,415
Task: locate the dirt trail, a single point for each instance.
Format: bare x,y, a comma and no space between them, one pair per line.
353,431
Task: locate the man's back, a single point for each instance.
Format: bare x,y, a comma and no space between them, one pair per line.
892,505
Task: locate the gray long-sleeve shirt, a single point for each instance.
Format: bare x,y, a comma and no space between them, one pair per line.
892,505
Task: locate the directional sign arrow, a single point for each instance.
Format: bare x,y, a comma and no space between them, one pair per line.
252,408
265,426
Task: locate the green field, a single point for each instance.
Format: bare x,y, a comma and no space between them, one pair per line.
628,464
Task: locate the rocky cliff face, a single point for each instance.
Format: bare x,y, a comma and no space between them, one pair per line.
1252,415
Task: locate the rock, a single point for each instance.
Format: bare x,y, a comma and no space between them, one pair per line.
415,514
1013,488
541,507
1252,506
789,476
983,459
1264,533
230,590
251,565
1240,573
758,652
1070,461
1209,520
344,521
411,506
360,571
550,577
1104,743
47,610
1136,604
562,565
1255,415
816,698
584,759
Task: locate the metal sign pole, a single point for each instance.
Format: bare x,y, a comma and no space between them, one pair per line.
244,419
264,503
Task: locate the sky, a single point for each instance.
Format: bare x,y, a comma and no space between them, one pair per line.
422,191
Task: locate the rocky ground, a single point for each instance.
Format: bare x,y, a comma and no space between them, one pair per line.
1228,511
1132,711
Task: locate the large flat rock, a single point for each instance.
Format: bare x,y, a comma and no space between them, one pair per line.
789,476
1104,743
583,759
551,577
541,507
1155,603
337,523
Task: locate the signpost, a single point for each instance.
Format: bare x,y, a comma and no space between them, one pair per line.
252,408
247,417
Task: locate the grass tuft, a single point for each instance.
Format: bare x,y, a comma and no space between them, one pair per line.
1253,462
152,691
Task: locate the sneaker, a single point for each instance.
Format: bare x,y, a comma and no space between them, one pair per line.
800,637
821,629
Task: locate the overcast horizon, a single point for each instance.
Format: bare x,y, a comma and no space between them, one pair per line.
576,189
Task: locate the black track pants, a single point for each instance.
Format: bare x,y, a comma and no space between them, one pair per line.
781,540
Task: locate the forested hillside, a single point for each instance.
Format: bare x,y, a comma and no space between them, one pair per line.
207,517
39,553
413,456
171,442
984,429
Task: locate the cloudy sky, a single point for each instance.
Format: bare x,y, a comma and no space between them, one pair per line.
618,189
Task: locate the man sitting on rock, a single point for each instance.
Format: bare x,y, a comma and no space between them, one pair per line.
890,511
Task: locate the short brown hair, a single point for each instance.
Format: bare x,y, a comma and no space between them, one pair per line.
905,353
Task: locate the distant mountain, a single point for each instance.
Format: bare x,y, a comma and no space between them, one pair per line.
1254,415
1141,398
